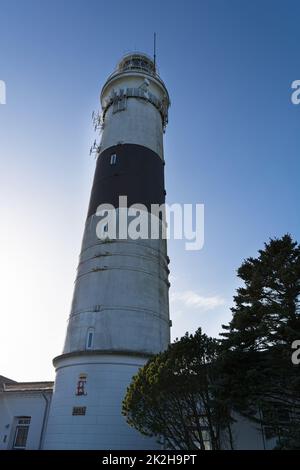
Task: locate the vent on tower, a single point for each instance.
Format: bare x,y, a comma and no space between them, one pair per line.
79,410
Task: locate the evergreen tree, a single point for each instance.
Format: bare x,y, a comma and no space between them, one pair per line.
259,375
174,396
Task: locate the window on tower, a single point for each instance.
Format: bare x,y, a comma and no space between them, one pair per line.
113,159
90,338
80,389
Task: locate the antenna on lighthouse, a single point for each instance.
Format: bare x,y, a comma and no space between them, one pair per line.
154,50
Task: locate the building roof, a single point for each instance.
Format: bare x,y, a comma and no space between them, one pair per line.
9,385
5,380
28,387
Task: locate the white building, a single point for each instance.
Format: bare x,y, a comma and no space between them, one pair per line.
24,410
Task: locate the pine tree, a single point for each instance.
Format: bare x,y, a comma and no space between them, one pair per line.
261,379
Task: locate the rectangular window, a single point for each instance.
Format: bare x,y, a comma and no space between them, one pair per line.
21,433
90,340
103,233
113,159
79,410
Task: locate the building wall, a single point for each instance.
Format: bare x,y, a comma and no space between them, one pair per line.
248,435
102,426
106,380
18,404
122,293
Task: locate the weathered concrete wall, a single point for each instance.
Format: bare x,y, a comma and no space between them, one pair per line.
121,289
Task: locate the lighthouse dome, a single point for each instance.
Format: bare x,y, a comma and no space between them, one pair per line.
137,61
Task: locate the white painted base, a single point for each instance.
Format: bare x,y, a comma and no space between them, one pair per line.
103,426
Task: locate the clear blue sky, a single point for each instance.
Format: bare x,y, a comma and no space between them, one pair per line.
232,143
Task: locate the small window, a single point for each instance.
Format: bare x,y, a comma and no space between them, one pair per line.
21,433
103,230
80,389
89,338
113,159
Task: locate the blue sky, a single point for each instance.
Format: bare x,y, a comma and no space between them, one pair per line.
232,144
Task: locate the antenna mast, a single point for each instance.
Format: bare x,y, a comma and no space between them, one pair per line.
154,51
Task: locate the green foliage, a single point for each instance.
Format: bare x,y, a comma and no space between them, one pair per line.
256,359
187,393
174,396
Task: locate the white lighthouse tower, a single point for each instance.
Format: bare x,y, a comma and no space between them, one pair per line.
120,310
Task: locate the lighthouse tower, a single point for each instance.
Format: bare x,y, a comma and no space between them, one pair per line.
120,310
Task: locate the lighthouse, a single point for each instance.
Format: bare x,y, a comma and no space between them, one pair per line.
120,310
